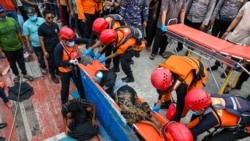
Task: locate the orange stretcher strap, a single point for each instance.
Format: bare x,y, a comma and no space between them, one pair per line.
199,37
237,51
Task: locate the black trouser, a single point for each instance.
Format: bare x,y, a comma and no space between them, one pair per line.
64,15
40,57
16,56
65,82
126,59
23,13
108,50
228,135
218,30
220,27
243,77
160,42
87,26
51,63
150,29
193,25
116,61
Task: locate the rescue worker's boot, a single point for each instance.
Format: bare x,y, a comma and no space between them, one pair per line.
129,78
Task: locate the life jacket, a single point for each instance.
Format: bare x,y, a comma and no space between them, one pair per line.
183,67
230,115
114,21
68,53
131,32
1,84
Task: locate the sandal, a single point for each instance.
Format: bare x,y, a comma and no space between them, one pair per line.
152,56
30,78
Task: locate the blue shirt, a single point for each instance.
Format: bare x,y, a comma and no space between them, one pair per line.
31,29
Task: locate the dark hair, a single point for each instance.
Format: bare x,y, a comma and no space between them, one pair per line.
47,11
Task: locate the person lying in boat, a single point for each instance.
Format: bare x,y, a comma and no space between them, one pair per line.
126,97
80,121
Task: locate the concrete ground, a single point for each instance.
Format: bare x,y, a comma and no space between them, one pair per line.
143,67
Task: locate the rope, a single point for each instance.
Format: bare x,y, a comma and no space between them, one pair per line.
17,105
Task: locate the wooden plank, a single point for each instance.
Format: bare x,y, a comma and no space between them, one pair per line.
32,117
25,121
33,69
19,124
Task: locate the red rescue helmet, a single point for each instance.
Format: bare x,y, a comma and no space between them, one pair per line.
108,36
176,131
99,25
67,34
161,78
197,99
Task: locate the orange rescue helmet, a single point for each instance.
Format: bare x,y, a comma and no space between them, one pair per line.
161,78
99,25
176,131
197,99
67,34
108,36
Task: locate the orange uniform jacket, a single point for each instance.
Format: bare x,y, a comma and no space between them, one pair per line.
131,42
88,7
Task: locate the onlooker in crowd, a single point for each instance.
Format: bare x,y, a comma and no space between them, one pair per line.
3,95
128,41
88,11
52,6
199,13
30,31
63,11
2,125
48,35
11,44
111,7
10,8
172,12
20,8
111,21
223,15
74,21
240,28
31,4
135,13
80,121
66,59
228,114
126,97
154,11
171,76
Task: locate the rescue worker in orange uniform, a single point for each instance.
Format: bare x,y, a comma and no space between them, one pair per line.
66,59
227,112
177,73
128,41
111,21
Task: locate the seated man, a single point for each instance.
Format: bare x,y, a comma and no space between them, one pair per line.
79,119
126,97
